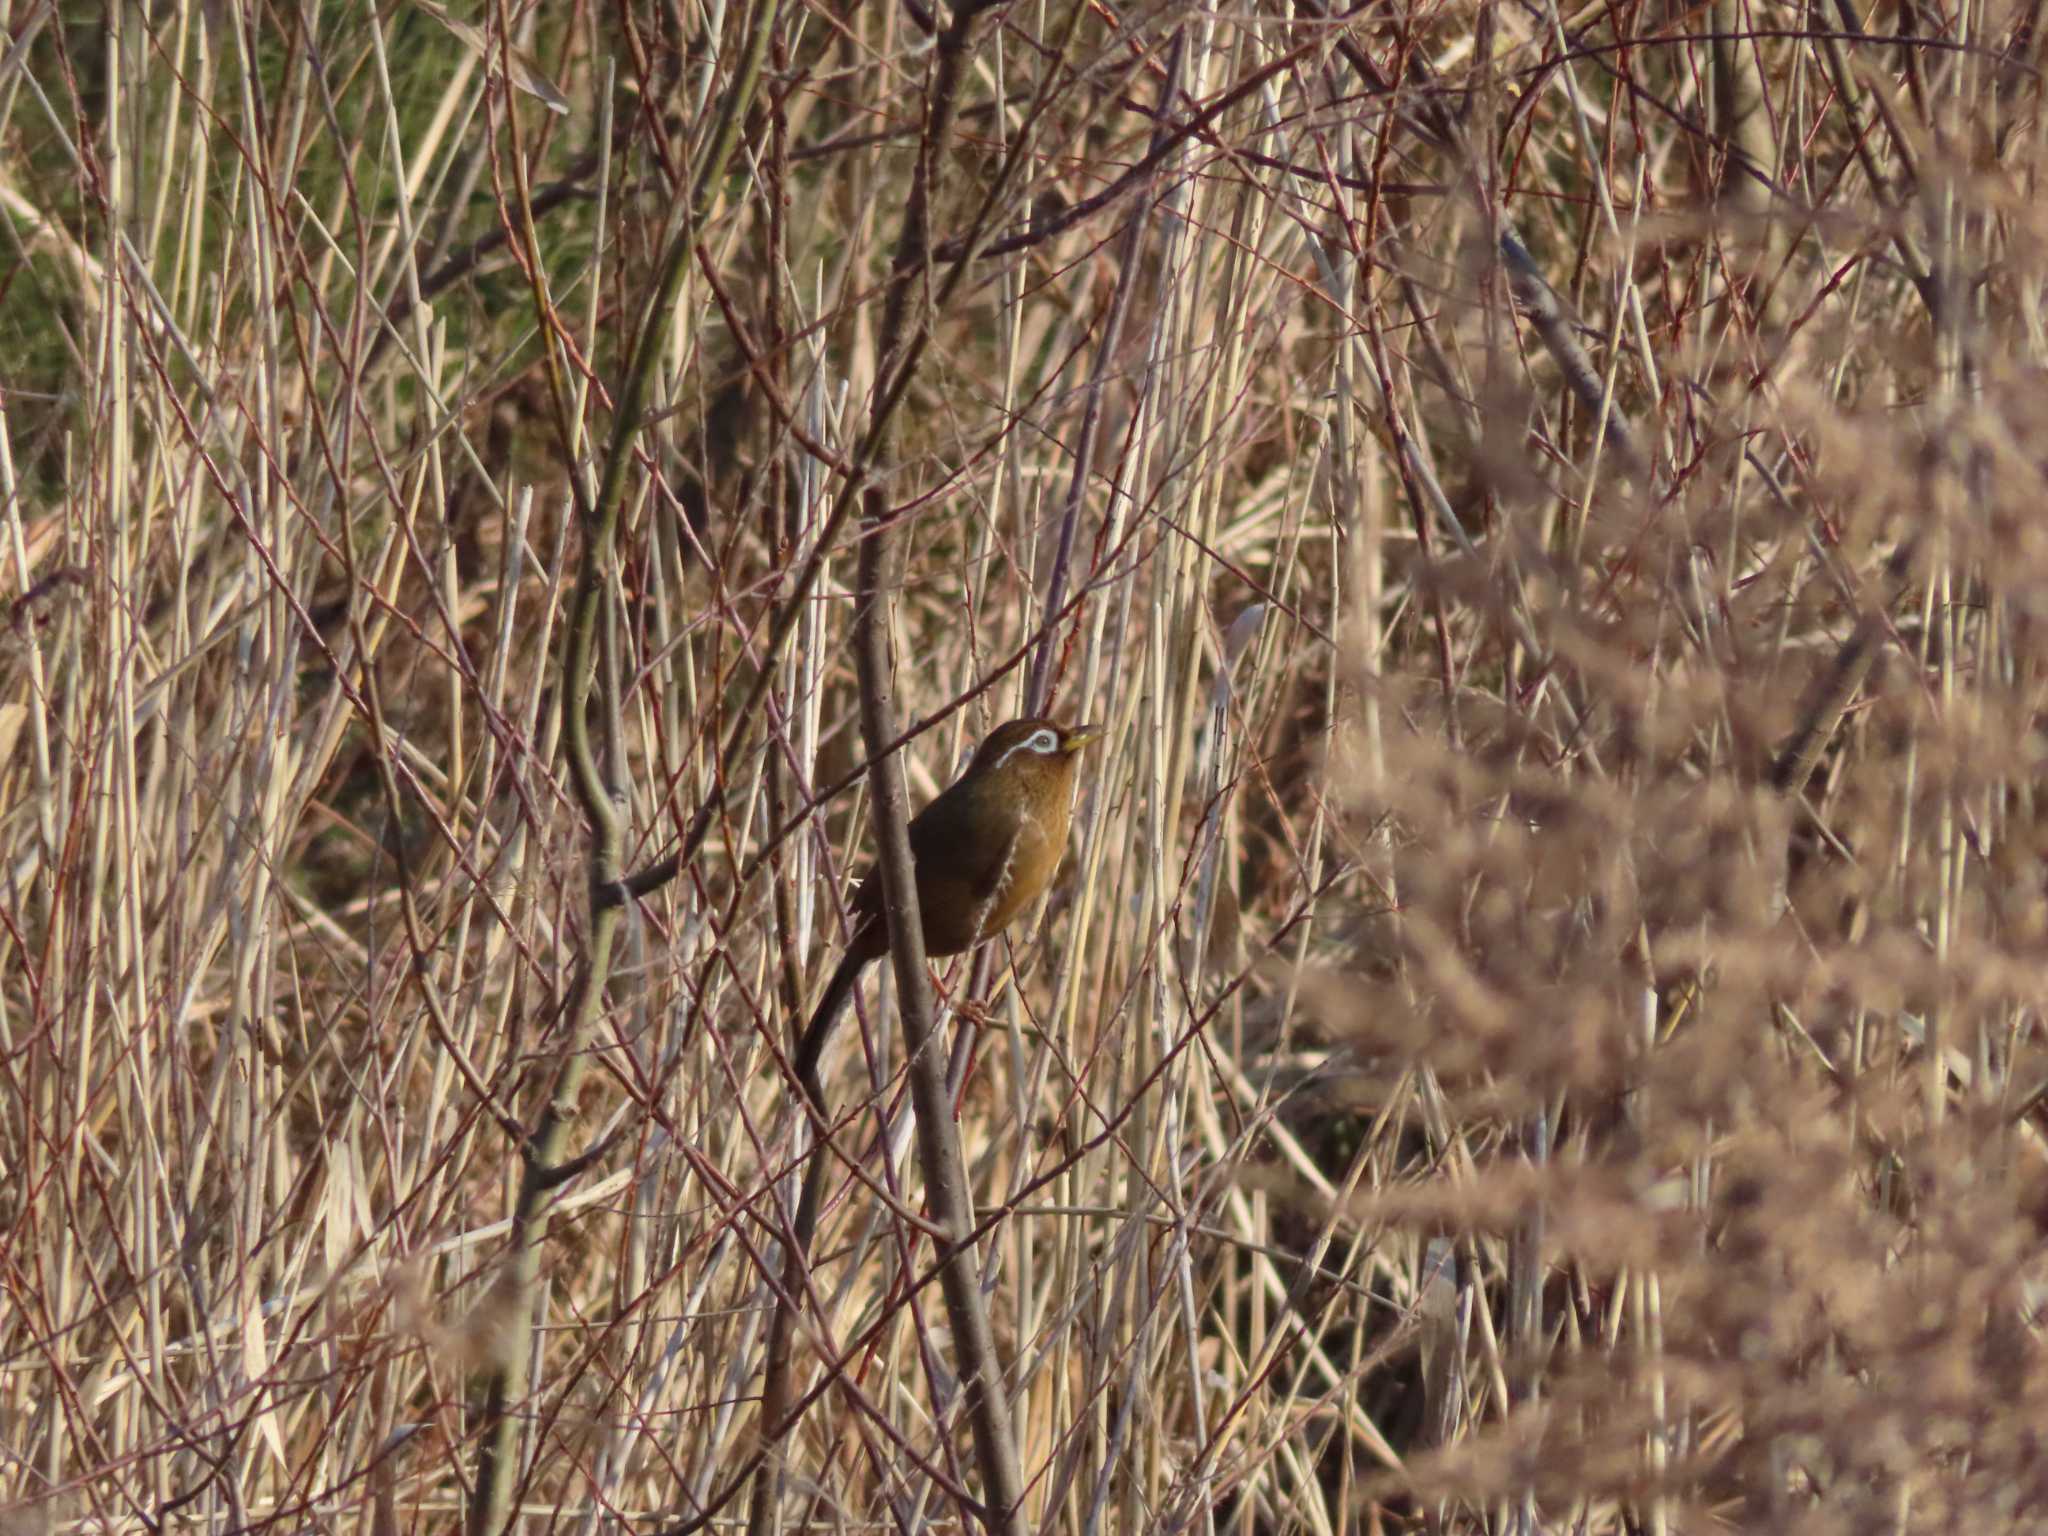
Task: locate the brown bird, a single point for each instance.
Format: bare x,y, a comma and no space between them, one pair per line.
984,850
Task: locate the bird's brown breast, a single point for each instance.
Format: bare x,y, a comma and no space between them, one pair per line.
981,860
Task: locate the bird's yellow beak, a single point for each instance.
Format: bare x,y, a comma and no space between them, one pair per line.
1079,737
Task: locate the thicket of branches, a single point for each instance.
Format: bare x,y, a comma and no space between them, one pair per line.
1541,1027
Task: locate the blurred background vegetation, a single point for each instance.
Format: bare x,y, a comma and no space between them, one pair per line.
1542,1026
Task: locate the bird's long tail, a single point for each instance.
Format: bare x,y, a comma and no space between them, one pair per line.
838,993
777,1392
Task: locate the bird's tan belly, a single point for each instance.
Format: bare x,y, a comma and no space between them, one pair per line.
957,916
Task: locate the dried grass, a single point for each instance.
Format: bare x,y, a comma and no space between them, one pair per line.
1457,1086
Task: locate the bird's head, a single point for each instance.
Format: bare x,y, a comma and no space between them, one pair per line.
1031,753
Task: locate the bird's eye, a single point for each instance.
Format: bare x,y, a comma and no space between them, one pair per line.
1045,743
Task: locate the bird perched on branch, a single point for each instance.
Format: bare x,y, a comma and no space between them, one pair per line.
984,850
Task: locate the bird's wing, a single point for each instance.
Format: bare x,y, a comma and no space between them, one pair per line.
940,839
957,863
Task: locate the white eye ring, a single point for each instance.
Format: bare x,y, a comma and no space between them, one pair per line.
1045,743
